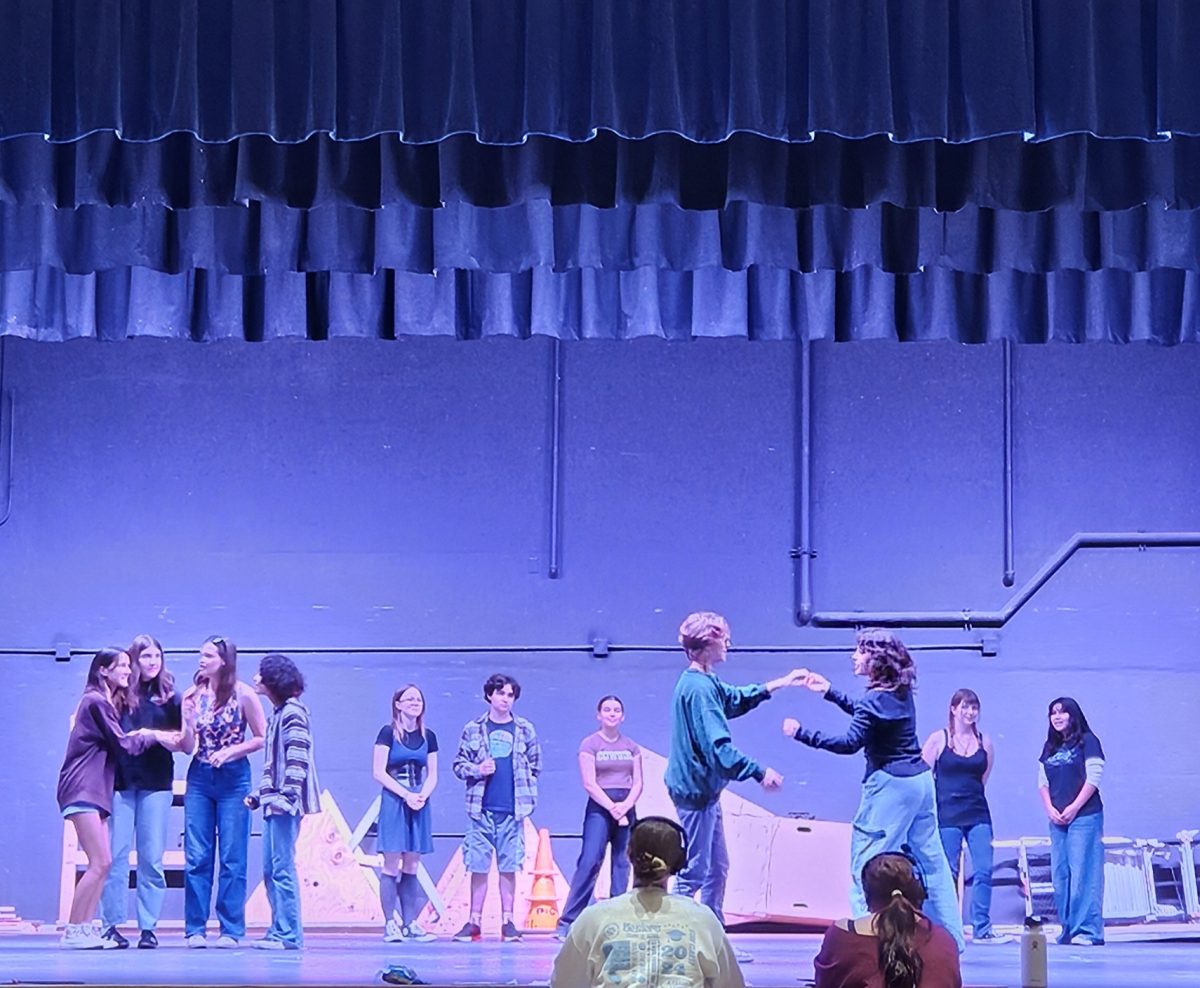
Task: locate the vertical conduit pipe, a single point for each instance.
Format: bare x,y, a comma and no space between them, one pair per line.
803,552
7,435
1010,574
555,457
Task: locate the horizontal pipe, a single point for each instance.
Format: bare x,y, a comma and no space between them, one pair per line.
14,650
997,619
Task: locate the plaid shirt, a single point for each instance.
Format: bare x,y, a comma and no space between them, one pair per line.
527,764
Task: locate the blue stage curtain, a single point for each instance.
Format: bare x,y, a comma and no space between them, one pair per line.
502,71
263,238
179,171
1161,306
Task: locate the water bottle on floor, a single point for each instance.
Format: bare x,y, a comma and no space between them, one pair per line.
1033,954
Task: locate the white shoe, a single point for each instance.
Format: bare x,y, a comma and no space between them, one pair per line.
742,956
80,936
226,942
266,943
392,932
196,940
416,933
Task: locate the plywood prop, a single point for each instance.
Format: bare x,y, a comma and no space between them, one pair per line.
335,888
454,887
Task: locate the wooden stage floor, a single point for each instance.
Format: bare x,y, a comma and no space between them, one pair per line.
780,961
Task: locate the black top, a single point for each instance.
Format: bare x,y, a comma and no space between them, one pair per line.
1066,772
885,724
959,780
408,755
153,769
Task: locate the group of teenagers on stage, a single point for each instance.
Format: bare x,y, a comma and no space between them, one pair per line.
920,804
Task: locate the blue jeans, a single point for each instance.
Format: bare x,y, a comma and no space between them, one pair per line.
1077,870
214,814
708,859
599,830
895,812
979,846
280,831
140,812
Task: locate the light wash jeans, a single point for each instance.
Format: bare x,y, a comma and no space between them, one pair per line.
213,811
139,814
280,831
1077,870
979,846
895,812
708,859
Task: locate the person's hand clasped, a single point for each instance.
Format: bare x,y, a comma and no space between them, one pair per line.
816,682
771,780
218,757
790,727
414,801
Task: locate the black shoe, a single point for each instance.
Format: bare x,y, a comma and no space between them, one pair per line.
114,935
509,932
147,941
470,933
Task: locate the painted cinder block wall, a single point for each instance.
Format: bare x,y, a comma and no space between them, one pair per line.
360,494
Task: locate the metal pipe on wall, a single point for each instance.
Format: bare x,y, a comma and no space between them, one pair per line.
555,458
803,552
1010,574
7,434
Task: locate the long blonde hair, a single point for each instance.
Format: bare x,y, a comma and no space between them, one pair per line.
396,724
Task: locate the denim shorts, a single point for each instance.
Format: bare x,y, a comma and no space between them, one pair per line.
501,832
72,808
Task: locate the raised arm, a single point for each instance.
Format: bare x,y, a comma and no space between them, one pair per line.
840,744
711,731
104,716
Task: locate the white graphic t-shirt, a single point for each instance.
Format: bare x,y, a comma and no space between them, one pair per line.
646,938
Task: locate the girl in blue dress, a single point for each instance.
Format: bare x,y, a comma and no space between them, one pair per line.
405,765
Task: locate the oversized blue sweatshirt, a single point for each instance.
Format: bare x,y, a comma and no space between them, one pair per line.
703,759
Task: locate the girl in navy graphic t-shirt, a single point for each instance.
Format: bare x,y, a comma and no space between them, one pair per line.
1069,774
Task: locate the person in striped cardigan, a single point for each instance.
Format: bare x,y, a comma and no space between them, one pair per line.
288,790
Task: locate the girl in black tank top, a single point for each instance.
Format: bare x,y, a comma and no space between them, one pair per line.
961,759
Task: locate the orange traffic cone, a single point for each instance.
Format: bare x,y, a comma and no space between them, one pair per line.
543,900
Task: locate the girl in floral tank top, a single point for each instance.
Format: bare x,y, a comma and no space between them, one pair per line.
216,713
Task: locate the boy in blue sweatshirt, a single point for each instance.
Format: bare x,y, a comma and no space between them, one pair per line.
704,759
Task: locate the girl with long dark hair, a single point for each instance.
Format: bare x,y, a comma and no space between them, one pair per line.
961,758
142,800
897,809
610,766
1069,773
85,783
405,764
648,937
217,711
895,945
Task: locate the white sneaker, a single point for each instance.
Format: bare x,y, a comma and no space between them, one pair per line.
226,942
80,936
196,940
742,956
266,943
392,932
416,933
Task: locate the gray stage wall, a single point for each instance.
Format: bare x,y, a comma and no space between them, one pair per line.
374,493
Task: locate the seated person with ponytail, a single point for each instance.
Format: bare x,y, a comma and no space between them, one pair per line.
649,937
896,946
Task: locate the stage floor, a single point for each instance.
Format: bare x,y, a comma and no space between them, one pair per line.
780,961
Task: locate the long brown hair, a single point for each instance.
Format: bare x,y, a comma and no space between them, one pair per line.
889,666
226,683
962,696
161,688
895,895
106,658
396,726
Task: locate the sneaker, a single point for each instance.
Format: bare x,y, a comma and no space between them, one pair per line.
196,940
392,932
415,933
147,941
509,932
266,943
80,936
742,956
989,939
1082,941
561,933
226,942
114,935
470,933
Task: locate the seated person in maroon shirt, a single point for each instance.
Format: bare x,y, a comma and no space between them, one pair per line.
895,946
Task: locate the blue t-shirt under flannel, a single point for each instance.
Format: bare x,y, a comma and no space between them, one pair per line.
499,792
